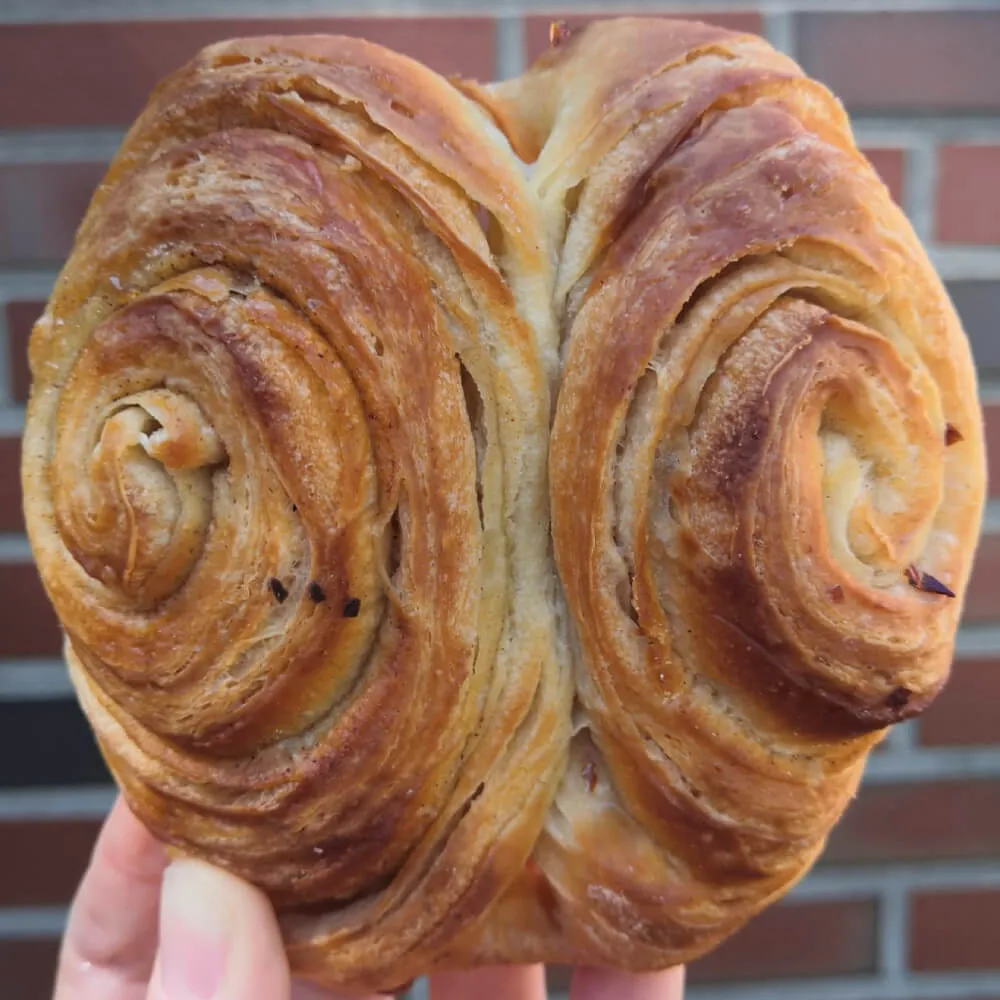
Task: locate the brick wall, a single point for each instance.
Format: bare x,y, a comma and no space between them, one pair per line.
907,900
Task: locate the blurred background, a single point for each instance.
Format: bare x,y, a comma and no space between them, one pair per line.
906,903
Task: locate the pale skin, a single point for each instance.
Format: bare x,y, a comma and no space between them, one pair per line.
140,929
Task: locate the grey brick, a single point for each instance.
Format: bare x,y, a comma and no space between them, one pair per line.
978,303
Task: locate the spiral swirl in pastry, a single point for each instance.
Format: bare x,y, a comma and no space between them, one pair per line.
325,363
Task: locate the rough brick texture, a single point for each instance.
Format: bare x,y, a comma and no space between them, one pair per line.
955,930
20,318
978,303
797,939
932,77
991,420
891,165
101,74
47,744
789,941
966,712
968,194
919,820
905,60
41,205
26,968
11,518
28,625
55,855
983,602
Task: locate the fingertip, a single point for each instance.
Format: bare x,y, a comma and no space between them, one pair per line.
591,983
126,845
302,990
110,935
498,982
218,937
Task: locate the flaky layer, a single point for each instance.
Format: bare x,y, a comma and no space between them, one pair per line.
327,359
285,461
766,431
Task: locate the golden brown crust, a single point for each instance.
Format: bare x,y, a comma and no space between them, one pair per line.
285,462
289,474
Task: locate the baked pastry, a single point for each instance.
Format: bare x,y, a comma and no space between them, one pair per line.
325,362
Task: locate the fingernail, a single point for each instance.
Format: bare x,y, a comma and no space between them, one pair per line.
193,932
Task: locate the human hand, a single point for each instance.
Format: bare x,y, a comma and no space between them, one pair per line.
140,929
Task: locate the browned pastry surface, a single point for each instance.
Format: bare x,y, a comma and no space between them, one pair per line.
498,520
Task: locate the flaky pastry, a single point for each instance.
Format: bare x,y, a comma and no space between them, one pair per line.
498,520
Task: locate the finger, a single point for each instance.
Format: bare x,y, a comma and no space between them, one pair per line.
495,982
308,991
219,939
599,984
110,940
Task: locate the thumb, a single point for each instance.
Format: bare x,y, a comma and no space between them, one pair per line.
218,939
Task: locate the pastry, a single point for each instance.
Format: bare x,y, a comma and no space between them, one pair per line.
499,520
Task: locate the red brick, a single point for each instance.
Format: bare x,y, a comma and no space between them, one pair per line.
967,209
991,419
905,60
789,940
102,73
537,26
954,930
964,714
11,517
796,940
43,860
983,600
21,317
28,625
946,819
27,968
890,164
41,205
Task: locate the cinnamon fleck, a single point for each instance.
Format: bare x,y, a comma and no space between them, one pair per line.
952,435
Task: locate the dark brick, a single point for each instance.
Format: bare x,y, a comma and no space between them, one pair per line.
891,166
41,205
991,421
102,73
47,743
954,930
964,714
905,60
908,822
983,601
28,625
21,317
51,856
27,968
978,303
11,517
794,940
789,940
967,209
